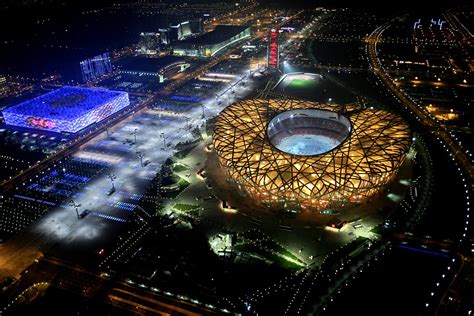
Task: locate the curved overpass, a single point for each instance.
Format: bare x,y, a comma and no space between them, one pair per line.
182,65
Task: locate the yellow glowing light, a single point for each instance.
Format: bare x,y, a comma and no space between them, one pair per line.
352,172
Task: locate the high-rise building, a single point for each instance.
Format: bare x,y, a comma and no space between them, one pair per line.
174,33
273,50
164,35
3,83
95,67
184,30
208,44
180,31
149,42
196,26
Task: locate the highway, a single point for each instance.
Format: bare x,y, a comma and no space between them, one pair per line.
457,291
457,151
452,19
137,303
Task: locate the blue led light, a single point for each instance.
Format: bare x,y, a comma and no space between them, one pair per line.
68,109
423,251
186,98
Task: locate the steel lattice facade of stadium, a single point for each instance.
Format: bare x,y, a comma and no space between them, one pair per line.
354,171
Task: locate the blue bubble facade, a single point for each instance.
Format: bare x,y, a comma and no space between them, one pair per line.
68,109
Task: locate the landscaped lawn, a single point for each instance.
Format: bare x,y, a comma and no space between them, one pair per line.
302,84
179,168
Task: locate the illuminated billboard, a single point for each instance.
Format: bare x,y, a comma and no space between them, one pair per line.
273,50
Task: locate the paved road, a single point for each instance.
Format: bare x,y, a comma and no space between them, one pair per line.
73,278
424,117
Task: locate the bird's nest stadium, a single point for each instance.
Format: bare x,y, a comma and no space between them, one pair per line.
314,154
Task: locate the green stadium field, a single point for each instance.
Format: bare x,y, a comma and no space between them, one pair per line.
299,83
302,84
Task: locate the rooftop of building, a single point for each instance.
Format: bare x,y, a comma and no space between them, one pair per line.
220,34
65,103
145,64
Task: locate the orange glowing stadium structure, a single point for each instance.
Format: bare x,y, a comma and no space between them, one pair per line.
314,154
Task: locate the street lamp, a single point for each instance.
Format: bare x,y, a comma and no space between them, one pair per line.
76,206
112,177
134,133
140,156
202,108
164,139
188,124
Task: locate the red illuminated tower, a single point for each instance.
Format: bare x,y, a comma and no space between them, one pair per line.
273,51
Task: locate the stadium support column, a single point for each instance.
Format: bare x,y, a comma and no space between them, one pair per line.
273,51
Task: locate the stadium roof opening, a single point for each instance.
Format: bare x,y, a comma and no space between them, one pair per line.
307,132
68,109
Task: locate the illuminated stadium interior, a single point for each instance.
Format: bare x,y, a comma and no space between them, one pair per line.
307,132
